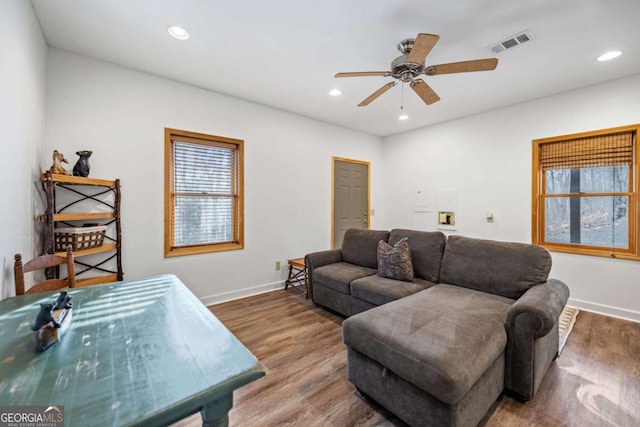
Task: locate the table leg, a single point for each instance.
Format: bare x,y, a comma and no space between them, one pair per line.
216,413
288,281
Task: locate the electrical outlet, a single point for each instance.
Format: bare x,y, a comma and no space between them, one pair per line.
277,265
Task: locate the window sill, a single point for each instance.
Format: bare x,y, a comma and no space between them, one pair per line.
201,249
592,252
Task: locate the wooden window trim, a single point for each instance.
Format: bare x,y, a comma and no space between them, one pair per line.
209,140
538,185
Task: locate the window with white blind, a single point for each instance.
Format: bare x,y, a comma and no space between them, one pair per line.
203,193
585,193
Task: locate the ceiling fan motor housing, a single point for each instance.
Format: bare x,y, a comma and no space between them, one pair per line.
400,68
405,71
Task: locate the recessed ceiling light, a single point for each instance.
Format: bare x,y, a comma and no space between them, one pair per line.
335,92
609,55
178,32
403,116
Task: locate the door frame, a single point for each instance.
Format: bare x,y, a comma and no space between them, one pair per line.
335,159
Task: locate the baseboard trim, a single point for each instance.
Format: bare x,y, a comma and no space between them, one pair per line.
606,310
241,293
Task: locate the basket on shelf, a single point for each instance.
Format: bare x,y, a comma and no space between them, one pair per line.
79,237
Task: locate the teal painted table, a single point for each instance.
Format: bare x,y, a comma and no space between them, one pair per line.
138,353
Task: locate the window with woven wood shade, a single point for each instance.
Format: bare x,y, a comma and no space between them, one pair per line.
598,150
203,193
584,193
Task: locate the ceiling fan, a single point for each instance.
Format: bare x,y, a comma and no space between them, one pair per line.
408,66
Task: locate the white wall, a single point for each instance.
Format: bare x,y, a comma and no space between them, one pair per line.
121,114
487,159
22,90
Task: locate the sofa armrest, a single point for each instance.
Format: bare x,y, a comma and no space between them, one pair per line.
532,336
318,259
545,302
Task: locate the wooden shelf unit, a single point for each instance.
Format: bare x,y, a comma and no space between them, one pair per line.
82,216
83,252
52,183
97,280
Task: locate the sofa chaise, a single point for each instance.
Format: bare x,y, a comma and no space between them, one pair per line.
479,318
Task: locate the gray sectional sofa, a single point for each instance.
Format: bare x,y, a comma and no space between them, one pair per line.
480,318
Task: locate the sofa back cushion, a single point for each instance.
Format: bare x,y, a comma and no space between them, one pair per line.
360,247
426,247
500,268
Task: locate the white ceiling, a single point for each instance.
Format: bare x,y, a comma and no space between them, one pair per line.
284,53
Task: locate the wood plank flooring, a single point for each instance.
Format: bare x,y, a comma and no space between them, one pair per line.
595,381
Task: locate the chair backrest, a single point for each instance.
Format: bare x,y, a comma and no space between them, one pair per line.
40,263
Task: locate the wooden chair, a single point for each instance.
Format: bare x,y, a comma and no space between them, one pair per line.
40,263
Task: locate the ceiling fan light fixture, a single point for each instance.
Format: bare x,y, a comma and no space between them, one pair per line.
608,56
335,92
178,32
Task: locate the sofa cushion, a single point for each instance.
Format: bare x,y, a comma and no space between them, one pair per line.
334,300
501,268
394,262
380,290
441,339
360,247
426,247
339,275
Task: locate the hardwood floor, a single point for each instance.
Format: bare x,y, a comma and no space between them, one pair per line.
594,382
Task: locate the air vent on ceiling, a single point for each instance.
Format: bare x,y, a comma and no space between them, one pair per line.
513,41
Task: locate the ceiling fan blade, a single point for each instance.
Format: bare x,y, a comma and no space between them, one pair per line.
421,47
424,91
363,74
376,94
487,64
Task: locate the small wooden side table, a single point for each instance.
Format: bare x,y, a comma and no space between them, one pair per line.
297,276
